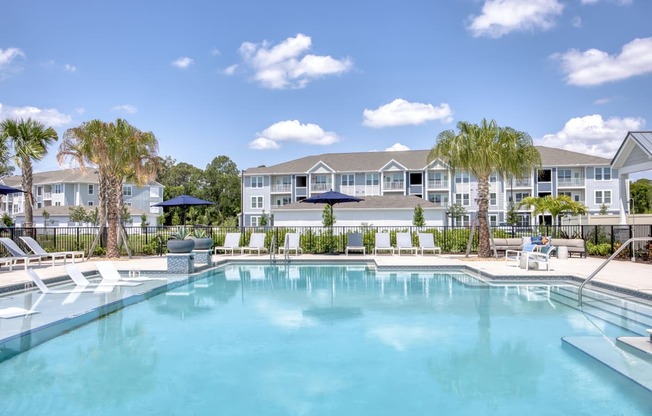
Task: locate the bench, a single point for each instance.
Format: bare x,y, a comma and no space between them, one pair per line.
504,244
574,245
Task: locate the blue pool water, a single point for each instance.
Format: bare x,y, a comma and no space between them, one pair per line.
329,340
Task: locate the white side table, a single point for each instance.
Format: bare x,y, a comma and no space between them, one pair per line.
562,252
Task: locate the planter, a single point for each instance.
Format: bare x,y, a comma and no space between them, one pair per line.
180,246
203,243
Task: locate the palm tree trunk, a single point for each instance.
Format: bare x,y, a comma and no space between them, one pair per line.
484,250
28,179
114,192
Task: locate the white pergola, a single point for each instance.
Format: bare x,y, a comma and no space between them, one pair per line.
634,155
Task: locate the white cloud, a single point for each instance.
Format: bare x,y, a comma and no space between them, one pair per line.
80,110
8,59
48,116
400,113
127,108
215,52
595,67
601,101
184,62
592,134
288,64
618,2
500,17
292,131
69,68
397,147
577,21
230,70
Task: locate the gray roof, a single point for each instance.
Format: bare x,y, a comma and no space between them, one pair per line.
74,175
370,202
642,138
410,159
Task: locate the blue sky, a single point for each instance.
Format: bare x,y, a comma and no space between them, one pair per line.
265,82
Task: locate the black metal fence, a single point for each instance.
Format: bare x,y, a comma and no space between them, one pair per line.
601,240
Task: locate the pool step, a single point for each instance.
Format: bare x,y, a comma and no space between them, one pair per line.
606,350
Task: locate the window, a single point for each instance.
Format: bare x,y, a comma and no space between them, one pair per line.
462,177
493,178
519,196
301,181
57,203
154,210
39,190
493,199
154,191
371,179
127,203
564,176
545,175
91,203
439,199
602,174
57,189
126,190
493,220
256,202
462,199
256,181
348,180
91,189
463,221
254,221
603,197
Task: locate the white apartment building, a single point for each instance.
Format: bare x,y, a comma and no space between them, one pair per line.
56,191
585,178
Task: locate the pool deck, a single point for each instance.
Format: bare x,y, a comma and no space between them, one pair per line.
632,278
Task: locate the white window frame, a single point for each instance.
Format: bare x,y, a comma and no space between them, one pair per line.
257,182
254,221
462,177
493,220
604,195
127,191
493,198
350,179
90,203
91,189
57,188
602,171
257,202
372,179
463,198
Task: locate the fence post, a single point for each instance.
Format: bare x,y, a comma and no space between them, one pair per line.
78,245
146,234
613,239
54,239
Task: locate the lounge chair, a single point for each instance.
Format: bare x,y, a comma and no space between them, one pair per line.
18,254
44,289
291,243
427,243
80,280
404,242
111,275
256,243
354,242
231,243
381,243
515,255
15,311
37,249
539,257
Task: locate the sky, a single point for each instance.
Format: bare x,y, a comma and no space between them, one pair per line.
264,82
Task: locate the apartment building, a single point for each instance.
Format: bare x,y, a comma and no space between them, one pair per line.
585,178
55,191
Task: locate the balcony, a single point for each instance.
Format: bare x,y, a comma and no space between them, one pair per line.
47,195
281,188
437,184
321,187
372,190
570,182
521,183
395,186
416,189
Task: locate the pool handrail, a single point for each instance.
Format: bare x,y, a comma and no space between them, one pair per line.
596,271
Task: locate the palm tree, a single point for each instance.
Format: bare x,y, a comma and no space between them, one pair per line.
29,139
119,151
482,150
554,205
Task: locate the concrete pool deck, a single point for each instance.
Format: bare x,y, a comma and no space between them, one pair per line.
634,278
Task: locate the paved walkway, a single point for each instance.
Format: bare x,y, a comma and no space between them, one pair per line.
632,277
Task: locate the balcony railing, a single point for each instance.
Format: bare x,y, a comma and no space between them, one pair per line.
437,184
416,189
522,182
394,186
283,187
372,190
321,187
570,182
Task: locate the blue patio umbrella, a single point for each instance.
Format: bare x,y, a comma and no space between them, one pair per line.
183,201
331,198
4,190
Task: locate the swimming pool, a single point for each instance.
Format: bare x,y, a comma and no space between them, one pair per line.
324,340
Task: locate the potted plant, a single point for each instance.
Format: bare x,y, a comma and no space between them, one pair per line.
202,240
179,242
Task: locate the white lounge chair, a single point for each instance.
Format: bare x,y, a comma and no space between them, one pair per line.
78,277
256,243
111,275
515,255
19,254
292,242
231,243
382,243
539,257
44,289
404,243
354,243
37,249
427,243
15,311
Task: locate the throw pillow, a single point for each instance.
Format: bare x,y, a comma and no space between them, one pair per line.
537,240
